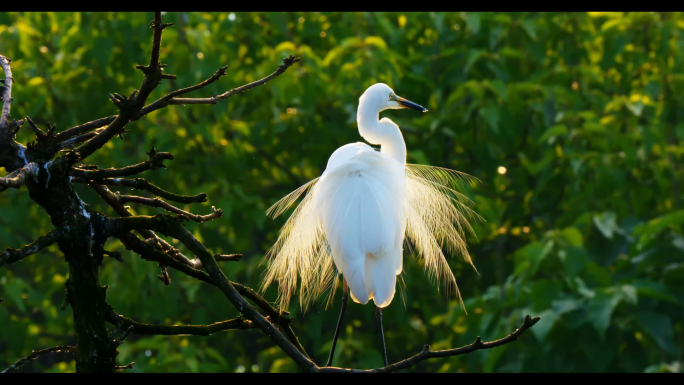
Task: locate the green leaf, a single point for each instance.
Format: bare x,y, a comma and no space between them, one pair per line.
606,224
659,327
553,131
601,309
562,306
473,20
543,327
528,26
473,55
534,254
629,293
600,274
653,227
573,236
532,167
653,289
574,260
14,290
213,353
499,87
491,115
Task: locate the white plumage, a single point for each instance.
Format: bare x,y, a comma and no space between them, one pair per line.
358,213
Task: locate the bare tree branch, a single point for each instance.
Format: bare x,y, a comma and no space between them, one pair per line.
292,348
129,106
83,128
120,369
113,201
171,330
36,354
152,253
219,258
164,101
10,255
7,94
142,184
156,202
427,353
39,133
80,138
18,178
170,99
155,162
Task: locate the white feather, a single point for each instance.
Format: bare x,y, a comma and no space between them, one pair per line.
361,212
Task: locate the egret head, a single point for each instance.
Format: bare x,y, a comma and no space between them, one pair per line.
382,97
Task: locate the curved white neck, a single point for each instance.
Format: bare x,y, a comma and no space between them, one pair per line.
383,132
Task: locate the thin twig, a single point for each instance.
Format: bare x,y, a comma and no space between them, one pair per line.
156,202
40,134
83,128
153,163
113,201
173,330
142,184
10,255
125,335
197,264
80,138
36,354
151,253
164,101
129,107
289,347
171,98
129,366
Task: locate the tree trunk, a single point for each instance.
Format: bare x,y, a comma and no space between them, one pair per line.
95,351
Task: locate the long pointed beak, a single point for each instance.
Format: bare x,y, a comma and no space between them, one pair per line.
411,105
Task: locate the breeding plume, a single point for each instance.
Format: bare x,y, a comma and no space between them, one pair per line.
357,216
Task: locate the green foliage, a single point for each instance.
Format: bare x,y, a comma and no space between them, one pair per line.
570,120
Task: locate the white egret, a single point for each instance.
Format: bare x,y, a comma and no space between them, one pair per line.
355,217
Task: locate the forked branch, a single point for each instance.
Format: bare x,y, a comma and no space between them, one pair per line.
84,128
142,184
155,162
150,252
171,98
131,105
18,178
80,138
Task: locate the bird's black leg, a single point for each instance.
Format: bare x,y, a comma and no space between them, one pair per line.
378,316
345,300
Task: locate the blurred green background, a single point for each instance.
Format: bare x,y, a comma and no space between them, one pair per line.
571,121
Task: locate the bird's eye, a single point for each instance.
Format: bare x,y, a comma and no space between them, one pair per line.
391,97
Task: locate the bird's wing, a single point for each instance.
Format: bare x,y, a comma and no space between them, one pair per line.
437,215
300,251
